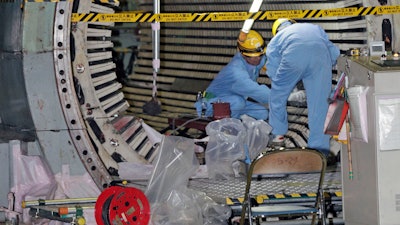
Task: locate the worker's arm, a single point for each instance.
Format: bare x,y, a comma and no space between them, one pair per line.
248,88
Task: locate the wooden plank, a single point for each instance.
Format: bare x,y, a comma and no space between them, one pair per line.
194,40
101,67
140,100
112,100
209,75
217,50
188,57
165,94
197,33
182,65
97,56
99,44
120,109
108,90
93,32
104,79
149,78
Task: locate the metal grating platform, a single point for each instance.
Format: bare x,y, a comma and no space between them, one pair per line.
220,190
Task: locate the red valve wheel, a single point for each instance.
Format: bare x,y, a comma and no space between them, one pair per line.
118,205
101,207
129,206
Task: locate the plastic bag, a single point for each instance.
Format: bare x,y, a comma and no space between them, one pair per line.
175,164
172,202
257,138
33,180
225,146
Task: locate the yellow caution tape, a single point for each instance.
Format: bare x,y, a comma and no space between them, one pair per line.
338,193
113,2
135,17
261,198
280,196
47,0
295,195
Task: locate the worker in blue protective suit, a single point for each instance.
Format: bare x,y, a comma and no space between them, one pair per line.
237,83
300,52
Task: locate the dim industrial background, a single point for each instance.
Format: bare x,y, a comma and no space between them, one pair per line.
59,109
191,54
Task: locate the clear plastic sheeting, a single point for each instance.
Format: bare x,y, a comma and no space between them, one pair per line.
213,213
232,142
257,138
154,136
33,179
224,148
178,209
175,163
389,122
172,202
75,187
78,186
134,171
190,207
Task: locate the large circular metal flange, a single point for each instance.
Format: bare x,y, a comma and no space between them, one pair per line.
67,94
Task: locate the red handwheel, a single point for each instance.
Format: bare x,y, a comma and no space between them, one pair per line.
101,209
129,206
123,206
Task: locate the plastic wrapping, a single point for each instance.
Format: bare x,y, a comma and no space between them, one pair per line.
225,147
257,138
154,136
189,207
172,202
134,171
178,209
388,122
175,163
33,179
213,213
76,186
81,186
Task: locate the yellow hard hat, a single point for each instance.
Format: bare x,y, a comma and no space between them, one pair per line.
254,44
281,21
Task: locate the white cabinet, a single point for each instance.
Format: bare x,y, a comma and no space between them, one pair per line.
372,197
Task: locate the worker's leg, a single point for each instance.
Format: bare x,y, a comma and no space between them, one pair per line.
239,107
318,87
282,86
255,110
237,104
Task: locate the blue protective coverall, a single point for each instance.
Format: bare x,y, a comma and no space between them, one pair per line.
236,83
301,51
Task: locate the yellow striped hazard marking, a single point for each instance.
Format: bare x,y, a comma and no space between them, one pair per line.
140,17
262,198
113,2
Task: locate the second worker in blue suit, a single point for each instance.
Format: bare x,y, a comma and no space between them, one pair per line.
300,52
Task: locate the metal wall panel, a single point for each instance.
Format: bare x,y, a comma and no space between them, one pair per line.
16,121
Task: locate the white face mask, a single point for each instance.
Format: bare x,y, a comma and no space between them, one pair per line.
252,60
